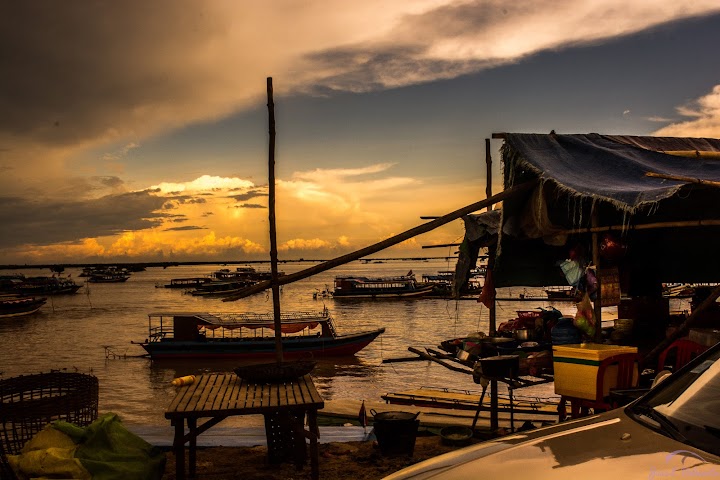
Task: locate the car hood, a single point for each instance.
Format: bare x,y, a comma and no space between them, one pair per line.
608,446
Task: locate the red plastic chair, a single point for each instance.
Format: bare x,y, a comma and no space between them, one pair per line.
626,378
683,350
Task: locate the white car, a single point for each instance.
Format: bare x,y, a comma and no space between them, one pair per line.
673,431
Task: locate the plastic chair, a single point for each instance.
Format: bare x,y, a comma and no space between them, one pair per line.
683,349
625,379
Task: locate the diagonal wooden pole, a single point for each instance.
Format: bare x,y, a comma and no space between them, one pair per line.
389,242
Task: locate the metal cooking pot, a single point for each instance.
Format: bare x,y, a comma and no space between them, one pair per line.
524,334
500,366
393,416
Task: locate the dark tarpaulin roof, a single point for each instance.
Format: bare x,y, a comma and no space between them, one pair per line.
609,168
584,171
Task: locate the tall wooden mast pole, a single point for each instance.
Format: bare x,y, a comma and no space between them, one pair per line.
273,231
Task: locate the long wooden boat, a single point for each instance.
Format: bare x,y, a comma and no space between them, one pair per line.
192,282
404,286
18,305
249,336
221,288
48,286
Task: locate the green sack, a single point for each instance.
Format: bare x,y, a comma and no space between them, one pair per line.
109,451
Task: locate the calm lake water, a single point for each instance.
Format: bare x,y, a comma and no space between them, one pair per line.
71,332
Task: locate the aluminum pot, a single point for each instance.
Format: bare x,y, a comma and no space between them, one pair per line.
524,334
500,366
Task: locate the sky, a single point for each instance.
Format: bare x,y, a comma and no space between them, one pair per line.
137,131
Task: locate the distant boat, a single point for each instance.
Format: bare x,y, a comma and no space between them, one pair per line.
380,287
561,293
221,288
249,336
192,282
16,305
109,277
47,286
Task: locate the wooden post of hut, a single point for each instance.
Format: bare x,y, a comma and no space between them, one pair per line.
596,261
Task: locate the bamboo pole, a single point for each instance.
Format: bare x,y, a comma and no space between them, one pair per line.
389,242
488,172
273,231
644,226
682,178
597,305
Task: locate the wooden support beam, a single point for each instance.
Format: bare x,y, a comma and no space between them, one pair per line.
389,242
644,226
442,246
681,178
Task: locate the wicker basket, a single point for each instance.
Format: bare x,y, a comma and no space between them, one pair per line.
275,372
29,402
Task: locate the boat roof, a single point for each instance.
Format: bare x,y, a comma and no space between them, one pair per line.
249,319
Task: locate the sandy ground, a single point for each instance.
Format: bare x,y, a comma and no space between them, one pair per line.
351,460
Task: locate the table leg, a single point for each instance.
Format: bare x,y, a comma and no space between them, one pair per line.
477,412
179,448
512,411
494,423
314,434
192,447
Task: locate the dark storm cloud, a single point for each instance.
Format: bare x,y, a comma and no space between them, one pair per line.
184,228
250,205
111,182
30,222
73,71
244,197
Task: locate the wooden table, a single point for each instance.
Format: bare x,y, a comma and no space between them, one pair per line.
217,396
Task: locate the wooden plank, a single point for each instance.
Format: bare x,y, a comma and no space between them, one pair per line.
221,399
295,394
239,394
283,396
315,396
274,395
198,402
181,397
191,402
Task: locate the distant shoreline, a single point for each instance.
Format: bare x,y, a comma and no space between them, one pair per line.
231,262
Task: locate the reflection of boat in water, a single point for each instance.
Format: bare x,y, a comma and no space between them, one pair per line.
235,335
18,305
324,293
404,286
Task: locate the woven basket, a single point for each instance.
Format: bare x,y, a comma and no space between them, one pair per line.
29,402
275,372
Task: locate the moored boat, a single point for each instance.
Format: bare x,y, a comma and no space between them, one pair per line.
380,287
46,286
193,282
19,305
235,335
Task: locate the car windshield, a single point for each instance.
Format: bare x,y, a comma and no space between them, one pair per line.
686,406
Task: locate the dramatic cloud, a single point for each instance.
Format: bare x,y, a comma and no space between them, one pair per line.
704,114
70,221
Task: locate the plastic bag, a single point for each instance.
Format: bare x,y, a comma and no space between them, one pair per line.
585,316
